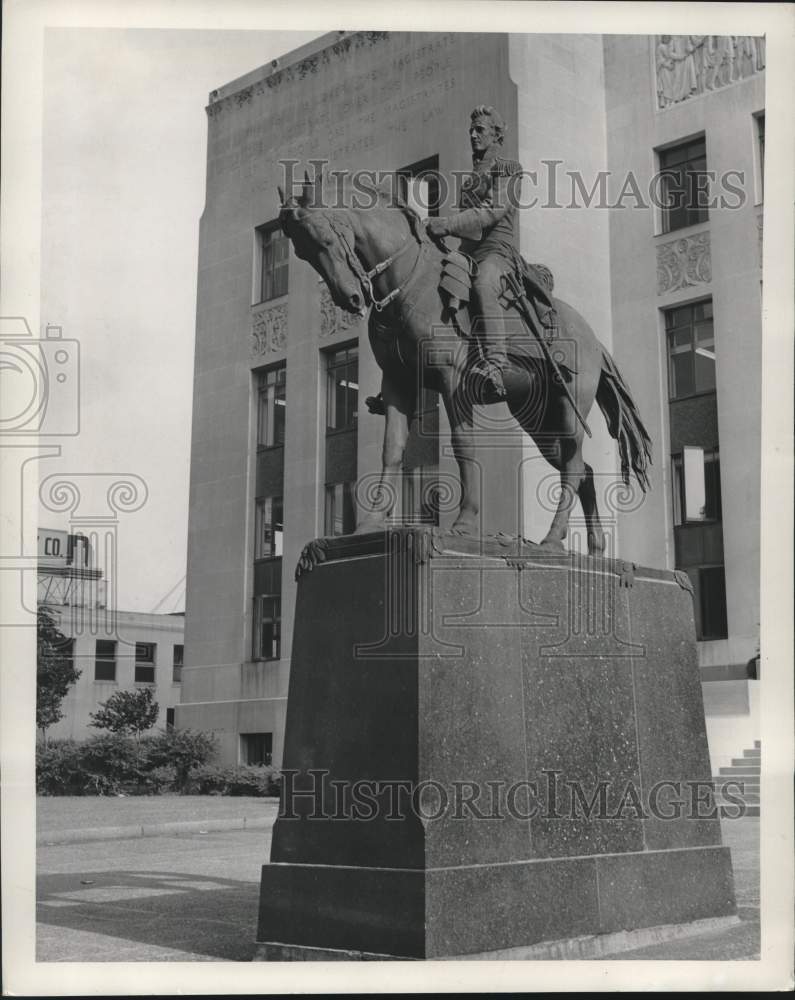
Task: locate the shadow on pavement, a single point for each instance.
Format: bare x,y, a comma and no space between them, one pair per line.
212,917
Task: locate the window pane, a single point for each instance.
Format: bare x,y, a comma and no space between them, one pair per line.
274,256
105,670
713,603
144,674
677,488
340,511
106,649
145,652
684,185
272,407
267,628
712,484
681,369
342,389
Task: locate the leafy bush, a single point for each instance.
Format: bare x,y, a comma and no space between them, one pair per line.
110,764
184,750
174,760
58,768
127,712
244,780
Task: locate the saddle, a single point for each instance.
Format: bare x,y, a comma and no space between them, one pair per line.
535,280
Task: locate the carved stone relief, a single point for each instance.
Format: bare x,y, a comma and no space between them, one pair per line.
269,329
683,263
689,65
332,319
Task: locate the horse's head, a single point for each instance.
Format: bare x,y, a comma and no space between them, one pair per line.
326,240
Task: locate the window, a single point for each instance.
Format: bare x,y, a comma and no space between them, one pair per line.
712,601
271,407
691,350
418,186
274,255
269,527
169,718
760,145
145,662
709,486
267,626
340,515
105,660
342,389
256,748
177,663
684,189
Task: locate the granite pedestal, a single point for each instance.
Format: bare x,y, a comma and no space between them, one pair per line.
488,746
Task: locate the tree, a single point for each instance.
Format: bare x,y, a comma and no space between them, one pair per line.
55,670
127,712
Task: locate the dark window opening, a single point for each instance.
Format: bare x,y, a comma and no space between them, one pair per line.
105,660
691,350
145,662
684,186
340,513
177,663
268,527
256,748
271,407
274,256
342,389
418,186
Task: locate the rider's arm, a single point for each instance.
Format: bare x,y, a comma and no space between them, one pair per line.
471,223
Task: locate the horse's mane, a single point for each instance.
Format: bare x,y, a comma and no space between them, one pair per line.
393,199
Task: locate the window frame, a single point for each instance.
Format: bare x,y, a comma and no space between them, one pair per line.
275,620
711,458
330,368
106,660
662,154
145,661
263,236
176,667
277,536
329,507
269,381
693,324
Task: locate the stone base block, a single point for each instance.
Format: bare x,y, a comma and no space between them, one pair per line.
547,707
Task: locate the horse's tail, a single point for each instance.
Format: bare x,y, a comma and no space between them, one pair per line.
624,423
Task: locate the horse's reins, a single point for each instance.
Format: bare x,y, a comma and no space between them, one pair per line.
366,277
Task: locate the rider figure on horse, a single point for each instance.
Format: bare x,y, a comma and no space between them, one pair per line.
486,224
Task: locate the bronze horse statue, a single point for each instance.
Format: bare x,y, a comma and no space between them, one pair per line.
380,257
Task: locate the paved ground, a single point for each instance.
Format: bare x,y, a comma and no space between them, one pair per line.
194,897
55,813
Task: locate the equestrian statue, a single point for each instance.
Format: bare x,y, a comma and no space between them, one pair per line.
478,324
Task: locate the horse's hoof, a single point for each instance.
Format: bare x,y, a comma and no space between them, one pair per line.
463,528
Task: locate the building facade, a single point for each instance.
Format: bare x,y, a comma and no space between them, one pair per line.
113,650
615,134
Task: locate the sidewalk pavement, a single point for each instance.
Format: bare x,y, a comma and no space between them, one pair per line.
193,897
72,820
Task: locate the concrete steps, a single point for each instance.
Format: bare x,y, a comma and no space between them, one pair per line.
737,786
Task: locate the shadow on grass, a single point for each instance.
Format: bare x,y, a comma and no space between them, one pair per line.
208,916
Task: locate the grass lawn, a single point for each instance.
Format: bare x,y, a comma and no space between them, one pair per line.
75,812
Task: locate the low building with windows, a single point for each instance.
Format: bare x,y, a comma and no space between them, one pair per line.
643,193
113,650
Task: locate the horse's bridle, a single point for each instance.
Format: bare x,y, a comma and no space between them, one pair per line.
366,277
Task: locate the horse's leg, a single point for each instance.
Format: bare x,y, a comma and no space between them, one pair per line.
587,494
399,401
458,405
565,455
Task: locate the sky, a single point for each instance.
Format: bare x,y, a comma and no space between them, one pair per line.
124,151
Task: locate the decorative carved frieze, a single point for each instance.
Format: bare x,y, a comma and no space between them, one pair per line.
759,235
683,263
332,319
689,65
269,329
